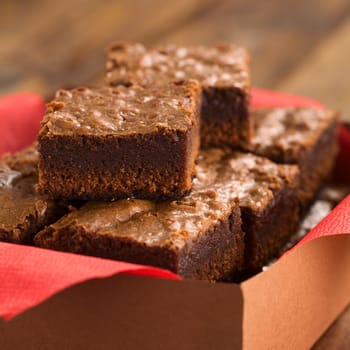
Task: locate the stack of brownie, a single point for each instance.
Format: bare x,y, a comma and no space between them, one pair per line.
168,166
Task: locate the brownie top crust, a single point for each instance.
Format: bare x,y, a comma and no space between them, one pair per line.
223,65
252,179
221,180
122,110
282,133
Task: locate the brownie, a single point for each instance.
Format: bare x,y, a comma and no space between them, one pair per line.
23,212
109,143
268,197
303,136
199,236
222,70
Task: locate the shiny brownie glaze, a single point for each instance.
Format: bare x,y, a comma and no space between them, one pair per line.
121,111
224,65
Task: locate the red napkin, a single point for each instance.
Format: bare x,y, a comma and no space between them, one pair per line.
261,98
20,115
29,275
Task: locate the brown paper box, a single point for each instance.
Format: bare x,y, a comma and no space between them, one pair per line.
287,307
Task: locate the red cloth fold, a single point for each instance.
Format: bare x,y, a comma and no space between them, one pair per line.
29,275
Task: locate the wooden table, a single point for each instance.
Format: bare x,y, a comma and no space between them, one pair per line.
298,49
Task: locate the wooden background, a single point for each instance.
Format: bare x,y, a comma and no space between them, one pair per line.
297,47
300,47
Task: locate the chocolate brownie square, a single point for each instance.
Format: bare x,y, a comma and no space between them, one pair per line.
303,136
23,212
109,143
222,70
268,198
